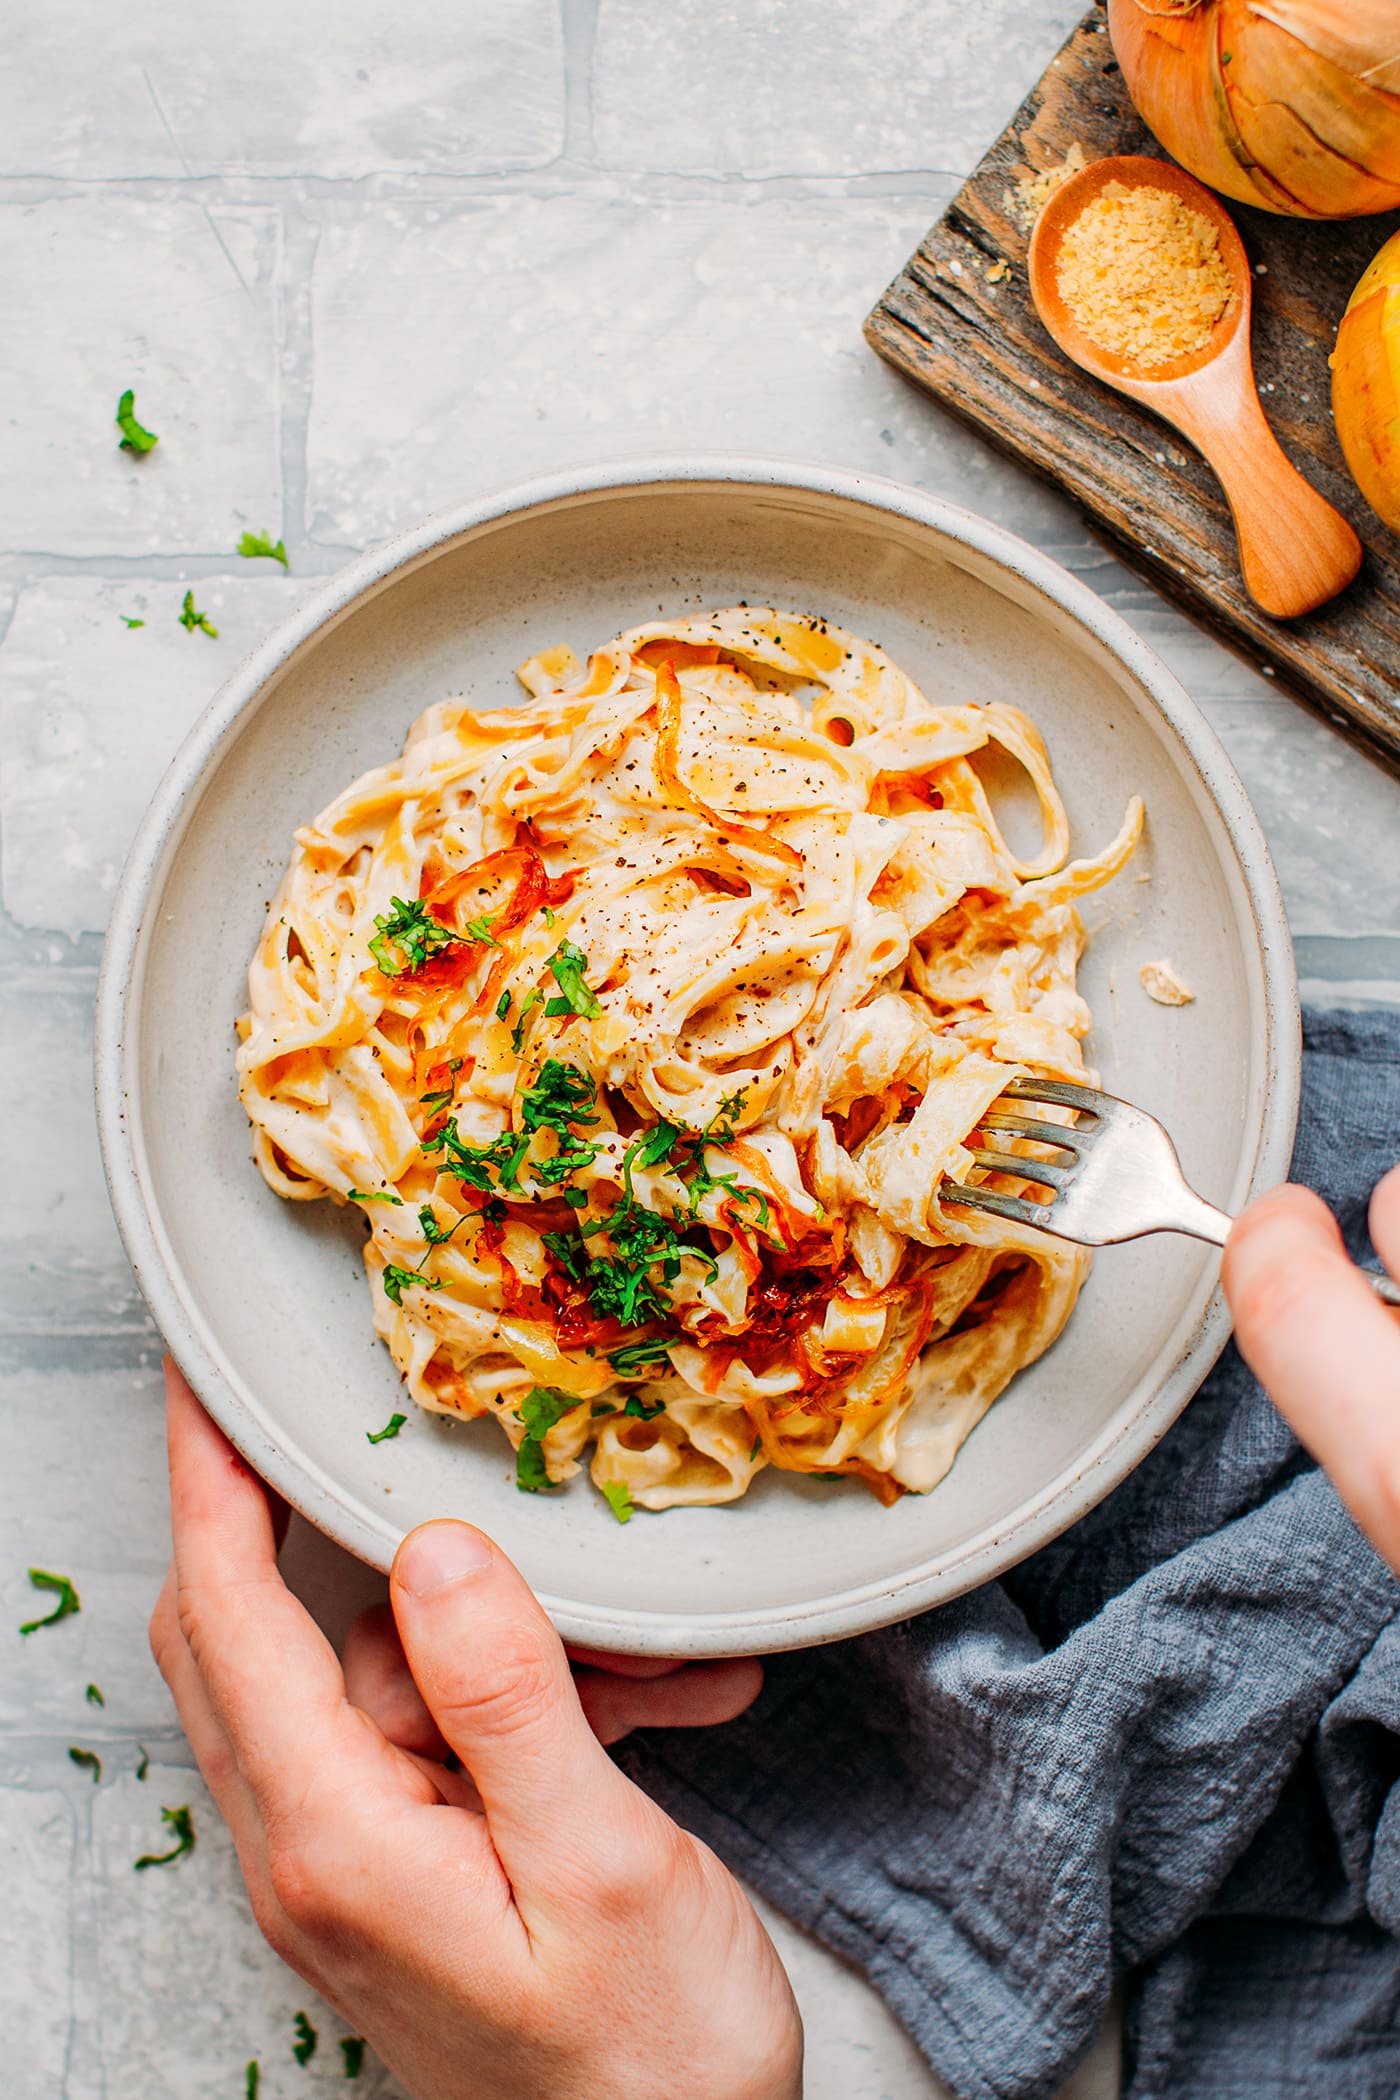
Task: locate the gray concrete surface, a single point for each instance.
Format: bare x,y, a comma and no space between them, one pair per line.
360,264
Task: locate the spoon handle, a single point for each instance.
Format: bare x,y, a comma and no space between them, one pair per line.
1296,551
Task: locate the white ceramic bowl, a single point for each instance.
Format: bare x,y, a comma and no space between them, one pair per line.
265,1303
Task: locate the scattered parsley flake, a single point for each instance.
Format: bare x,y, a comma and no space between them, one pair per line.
94,1696
129,621
352,2048
540,1409
391,1428
181,1823
517,1034
639,1356
133,437
567,965
254,545
372,1196
549,918
531,1472
658,1144
68,1603
721,1124
437,1235
619,1499
304,2047
397,1281
472,1164
252,2079
480,930
190,618
642,1410
88,1760
145,1765
503,1006
754,1448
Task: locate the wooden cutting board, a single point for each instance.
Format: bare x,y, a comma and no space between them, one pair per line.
959,319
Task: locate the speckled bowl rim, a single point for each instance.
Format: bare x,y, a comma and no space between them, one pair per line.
1275,1042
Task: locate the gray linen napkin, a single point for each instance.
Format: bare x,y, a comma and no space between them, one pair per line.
1165,1747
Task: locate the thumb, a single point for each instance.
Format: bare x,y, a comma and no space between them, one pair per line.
495,1677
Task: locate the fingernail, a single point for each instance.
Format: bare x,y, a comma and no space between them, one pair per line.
438,1554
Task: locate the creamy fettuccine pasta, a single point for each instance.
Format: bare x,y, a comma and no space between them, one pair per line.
648,1022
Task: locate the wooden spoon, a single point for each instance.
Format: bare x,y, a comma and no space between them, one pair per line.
1296,551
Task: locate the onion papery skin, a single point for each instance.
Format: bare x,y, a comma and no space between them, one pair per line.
1290,105
1366,384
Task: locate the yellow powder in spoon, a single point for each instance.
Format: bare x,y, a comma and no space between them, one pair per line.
1142,274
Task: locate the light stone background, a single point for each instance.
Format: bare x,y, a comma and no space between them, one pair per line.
359,264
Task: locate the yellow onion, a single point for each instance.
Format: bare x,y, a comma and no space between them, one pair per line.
1293,105
1366,383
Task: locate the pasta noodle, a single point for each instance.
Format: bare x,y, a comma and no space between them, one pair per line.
644,1022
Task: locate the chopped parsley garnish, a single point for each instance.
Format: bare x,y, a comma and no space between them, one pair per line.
657,1145
391,1428
414,932
721,1124
572,1155
531,1472
562,1095
639,1356
133,437
94,1696
181,1824
517,1034
567,965
619,1499
126,617
540,1409
304,2047
503,1006
755,1447
642,1410
190,618
620,1284
437,1235
480,930
89,1762
59,1585
145,1765
253,545
376,1195
252,2079
473,1164
397,1281
352,2048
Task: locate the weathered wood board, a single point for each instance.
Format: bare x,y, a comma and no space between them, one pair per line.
959,319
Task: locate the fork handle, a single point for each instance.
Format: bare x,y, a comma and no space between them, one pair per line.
1204,1222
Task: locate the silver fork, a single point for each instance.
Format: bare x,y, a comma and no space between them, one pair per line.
1119,1177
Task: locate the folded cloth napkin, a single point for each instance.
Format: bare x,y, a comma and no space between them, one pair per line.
1165,1748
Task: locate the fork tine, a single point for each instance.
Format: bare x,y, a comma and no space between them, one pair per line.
1066,1136
1052,1175
1014,1207
1057,1090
